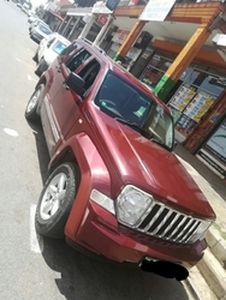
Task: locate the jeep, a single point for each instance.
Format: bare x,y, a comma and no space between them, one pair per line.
115,186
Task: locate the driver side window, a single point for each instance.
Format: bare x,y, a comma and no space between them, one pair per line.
78,60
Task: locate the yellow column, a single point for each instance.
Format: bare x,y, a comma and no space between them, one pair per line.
130,40
182,61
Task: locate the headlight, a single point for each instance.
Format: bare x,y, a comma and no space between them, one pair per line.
201,231
132,204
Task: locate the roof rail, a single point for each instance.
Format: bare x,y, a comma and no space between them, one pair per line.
93,45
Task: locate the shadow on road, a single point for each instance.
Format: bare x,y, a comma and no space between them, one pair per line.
42,151
86,278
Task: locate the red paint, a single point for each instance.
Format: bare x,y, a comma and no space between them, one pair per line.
111,155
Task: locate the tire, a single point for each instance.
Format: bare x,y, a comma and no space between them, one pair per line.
53,210
35,57
31,108
40,68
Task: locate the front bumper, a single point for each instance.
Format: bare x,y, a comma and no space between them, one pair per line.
36,36
100,233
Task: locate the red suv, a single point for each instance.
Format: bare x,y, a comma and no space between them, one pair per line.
115,186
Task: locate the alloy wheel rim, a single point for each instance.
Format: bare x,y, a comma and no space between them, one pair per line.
33,101
53,197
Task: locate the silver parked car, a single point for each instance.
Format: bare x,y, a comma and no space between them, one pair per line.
39,30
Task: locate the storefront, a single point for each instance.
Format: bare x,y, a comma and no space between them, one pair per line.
213,152
135,52
193,95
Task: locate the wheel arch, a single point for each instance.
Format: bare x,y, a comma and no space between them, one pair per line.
42,80
67,155
93,173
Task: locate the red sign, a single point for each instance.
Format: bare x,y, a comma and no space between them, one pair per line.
102,19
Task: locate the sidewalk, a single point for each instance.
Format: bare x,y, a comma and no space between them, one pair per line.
208,279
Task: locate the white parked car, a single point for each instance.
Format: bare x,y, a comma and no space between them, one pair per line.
32,17
48,50
39,30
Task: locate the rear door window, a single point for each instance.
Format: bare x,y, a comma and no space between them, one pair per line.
72,47
77,60
89,72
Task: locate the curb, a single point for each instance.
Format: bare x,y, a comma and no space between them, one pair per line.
217,245
213,273
197,286
207,280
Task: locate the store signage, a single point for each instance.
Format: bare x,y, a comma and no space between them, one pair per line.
120,36
133,53
111,4
133,2
199,106
100,8
102,19
156,10
217,143
209,161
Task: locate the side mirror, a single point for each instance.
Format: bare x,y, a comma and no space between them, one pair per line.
76,83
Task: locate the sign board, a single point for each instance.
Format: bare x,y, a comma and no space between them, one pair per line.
100,8
120,36
102,19
156,10
111,4
217,143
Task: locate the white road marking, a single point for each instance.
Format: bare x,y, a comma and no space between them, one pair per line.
11,132
36,241
30,78
18,59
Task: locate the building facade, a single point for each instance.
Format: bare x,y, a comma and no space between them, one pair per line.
175,57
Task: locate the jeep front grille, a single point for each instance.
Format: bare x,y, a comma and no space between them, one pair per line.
166,223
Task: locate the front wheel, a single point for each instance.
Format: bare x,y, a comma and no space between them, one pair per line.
41,67
31,108
56,200
35,57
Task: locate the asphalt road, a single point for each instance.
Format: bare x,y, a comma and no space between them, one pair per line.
32,267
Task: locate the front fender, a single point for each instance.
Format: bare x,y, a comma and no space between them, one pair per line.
94,173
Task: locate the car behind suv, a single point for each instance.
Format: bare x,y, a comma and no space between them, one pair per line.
47,51
39,30
115,186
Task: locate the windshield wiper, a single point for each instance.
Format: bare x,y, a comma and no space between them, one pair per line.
135,126
149,135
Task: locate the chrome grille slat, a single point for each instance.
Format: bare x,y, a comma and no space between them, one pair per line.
183,231
194,227
155,218
164,222
146,214
160,226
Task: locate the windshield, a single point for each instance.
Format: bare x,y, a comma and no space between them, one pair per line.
59,47
129,105
44,29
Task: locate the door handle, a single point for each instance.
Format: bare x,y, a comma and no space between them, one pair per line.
65,86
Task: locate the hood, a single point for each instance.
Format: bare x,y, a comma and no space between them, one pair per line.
152,168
